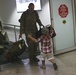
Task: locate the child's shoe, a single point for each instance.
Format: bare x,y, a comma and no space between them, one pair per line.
55,66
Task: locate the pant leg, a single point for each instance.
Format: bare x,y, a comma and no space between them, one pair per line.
32,48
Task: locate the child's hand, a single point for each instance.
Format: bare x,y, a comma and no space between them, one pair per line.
29,35
33,39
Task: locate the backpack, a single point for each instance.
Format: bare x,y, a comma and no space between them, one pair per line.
39,32
16,49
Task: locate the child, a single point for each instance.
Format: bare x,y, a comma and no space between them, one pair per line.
45,46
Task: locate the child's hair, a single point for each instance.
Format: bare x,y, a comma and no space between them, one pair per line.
45,31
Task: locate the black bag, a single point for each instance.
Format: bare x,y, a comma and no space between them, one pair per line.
16,49
39,33
54,33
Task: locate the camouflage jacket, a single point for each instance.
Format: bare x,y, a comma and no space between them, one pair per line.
28,22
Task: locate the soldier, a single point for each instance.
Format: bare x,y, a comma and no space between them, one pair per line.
28,21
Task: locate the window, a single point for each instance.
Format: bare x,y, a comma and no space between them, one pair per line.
22,5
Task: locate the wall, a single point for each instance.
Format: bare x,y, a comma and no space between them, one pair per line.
9,14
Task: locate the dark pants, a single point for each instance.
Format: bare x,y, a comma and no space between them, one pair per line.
32,49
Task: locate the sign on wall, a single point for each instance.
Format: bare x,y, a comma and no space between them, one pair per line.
63,10
22,5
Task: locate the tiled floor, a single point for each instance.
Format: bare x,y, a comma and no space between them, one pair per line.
66,66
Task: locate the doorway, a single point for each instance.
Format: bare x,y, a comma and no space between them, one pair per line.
63,21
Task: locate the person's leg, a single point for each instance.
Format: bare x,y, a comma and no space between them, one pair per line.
35,52
43,64
51,59
32,50
34,46
43,56
35,49
54,64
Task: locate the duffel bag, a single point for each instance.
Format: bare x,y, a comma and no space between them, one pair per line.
39,32
16,49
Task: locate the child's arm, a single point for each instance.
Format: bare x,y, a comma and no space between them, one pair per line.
33,39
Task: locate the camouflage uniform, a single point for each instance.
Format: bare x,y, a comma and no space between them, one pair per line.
28,26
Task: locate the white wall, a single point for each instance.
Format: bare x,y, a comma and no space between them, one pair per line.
9,14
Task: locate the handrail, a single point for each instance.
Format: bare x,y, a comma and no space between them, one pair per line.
11,25
14,29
